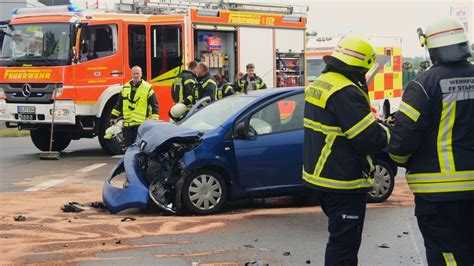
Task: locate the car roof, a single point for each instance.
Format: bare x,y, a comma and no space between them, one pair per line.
272,91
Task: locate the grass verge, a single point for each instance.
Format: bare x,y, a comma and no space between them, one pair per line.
13,132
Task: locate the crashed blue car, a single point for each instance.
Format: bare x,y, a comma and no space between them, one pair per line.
243,146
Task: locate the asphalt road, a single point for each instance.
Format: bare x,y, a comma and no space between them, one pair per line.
277,231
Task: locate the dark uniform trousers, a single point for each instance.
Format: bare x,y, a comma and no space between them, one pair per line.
346,214
448,230
130,135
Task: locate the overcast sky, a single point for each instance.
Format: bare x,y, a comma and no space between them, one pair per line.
378,18
370,17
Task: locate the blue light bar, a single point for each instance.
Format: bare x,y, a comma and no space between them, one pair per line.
74,8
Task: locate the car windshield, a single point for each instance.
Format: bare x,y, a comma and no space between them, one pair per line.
42,44
214,115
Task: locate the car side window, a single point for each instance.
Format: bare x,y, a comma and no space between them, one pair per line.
283,115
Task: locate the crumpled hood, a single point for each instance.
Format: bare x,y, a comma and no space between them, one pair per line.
158,135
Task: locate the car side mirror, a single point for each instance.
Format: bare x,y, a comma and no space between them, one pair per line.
240,131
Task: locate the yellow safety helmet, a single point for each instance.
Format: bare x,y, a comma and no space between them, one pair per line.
355,51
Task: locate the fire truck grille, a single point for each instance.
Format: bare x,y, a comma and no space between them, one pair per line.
28,92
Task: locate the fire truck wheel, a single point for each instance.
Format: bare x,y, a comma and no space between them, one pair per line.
40,138
110,146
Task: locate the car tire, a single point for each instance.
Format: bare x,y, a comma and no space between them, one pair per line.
204,192
384,181
41,136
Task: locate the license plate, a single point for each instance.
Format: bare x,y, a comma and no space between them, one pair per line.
27,116
26,109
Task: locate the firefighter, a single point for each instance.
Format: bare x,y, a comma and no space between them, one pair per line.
184,86
206,85
433,137
235,85
250,81
224,89
136,102
340,136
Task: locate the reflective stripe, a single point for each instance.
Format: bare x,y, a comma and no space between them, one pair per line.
371,162
155,117
336,184
316,126
190,81
360,126
399,158
387,131
409,111
190,98
440,177
445,137
352,53
329,140
442,187
445,33
449,259
116,112
207,83
181,94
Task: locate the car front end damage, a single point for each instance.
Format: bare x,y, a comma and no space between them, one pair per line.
153,167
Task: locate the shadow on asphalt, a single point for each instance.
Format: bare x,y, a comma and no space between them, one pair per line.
244,206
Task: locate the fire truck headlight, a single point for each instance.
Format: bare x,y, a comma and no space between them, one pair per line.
2,93
60,112
59,90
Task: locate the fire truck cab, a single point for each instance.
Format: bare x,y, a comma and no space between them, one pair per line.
78,61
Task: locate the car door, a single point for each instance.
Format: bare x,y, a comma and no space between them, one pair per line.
271,154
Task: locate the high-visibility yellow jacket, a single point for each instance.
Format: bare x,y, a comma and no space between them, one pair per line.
136,104
433,135
340,135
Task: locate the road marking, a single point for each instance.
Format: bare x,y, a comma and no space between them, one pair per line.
45,185
91,167
118,156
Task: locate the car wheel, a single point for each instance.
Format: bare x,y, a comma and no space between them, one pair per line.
204,192
384,181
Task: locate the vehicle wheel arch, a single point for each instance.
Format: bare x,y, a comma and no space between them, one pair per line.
108,96
382,156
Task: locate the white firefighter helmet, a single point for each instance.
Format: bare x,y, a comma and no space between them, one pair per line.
447,41
113,131
178,110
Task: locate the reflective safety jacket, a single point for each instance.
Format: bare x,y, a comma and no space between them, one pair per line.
136,104
206,87
183,88
340,134
224,90
433,135
256,82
